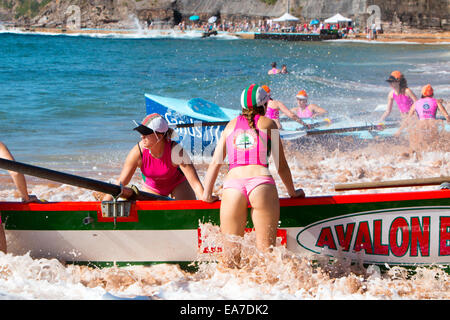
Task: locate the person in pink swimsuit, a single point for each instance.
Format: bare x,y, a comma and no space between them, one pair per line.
247,141
305,110
166,168
273,111
274,69
400,93
425,108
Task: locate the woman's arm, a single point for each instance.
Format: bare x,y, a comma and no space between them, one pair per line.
128,170
283,168
411,94
442,110
389,107
18,178
214,167
291,114
318,111
185,163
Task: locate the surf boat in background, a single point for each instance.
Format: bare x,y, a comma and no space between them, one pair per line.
199,123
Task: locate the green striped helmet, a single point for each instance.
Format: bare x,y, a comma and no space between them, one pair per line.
253,96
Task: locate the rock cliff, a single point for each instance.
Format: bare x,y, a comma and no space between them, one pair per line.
393,14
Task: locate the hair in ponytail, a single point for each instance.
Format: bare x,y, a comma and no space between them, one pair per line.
250,114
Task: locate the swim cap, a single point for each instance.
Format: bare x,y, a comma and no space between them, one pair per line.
427,91
266,88
395,76
151,123
253,96
302,95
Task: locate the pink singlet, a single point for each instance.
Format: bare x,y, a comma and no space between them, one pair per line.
273,114
404,102
305,113
426,108
244,147
160,175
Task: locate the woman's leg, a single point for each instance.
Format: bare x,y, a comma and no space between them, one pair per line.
183,191
265,214
233,218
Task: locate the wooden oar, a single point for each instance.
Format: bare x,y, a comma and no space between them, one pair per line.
392,184
78,181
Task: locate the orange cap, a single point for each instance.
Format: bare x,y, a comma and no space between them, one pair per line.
266,88
396,74
302,94
427,91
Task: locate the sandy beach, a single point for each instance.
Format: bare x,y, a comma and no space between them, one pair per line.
413,37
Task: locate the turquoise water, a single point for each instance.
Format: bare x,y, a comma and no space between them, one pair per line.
66,99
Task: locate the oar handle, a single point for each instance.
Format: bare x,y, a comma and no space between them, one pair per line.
78,181
392,184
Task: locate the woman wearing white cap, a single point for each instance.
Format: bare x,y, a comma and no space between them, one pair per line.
166,168
246,140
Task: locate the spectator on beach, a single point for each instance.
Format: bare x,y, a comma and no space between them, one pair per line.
400,93
166,168
248,141
274,69
21,185
305,110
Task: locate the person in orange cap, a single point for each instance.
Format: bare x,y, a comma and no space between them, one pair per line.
426,107
305,110
400,93
273,111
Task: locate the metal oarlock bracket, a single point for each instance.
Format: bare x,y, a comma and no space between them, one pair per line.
115,209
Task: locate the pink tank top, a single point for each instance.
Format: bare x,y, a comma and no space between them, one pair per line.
160,175
404,102
305,113
426,108
273,114
246,147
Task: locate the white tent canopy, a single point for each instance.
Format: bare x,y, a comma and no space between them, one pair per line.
337,18
286,17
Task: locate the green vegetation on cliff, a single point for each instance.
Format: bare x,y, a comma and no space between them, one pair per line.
24,8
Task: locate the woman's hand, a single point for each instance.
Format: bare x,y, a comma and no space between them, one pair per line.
210,198
298,193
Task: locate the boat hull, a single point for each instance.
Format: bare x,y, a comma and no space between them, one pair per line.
411,228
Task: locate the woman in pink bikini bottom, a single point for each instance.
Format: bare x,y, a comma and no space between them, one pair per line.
246,140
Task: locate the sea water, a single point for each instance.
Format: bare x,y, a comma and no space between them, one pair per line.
67,103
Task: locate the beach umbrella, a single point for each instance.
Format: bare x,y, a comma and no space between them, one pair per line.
194,18
315,21
212,19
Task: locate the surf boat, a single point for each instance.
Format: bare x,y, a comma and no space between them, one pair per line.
409,228
399,228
